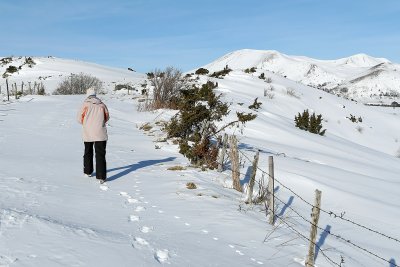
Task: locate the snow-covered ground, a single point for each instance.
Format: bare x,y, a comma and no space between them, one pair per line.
50,215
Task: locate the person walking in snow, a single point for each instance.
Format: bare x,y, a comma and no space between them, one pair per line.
93,116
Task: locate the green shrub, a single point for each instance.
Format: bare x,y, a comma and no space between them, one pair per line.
11,69
250,70
218,74
256,105
262,76
199,108
312,124
353,118
202,71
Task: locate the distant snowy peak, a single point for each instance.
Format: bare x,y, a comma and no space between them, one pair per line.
357,76
361,60
247,58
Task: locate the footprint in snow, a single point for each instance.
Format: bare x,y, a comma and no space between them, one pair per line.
139,243
132,200
140,208
161,255
134,218
124,194
258,262
104,187
146,229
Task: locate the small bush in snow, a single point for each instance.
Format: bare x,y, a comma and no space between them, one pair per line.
262,76
30,62
291,92
5,60
166,85
353,118
123,86
146,127
202,71
10,70
312,124
77,84
221,73
191,185
256,105
268,92
176,168
250,70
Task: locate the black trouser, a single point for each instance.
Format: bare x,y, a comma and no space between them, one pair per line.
101,165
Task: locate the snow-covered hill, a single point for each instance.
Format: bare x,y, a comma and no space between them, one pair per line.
359,76
51,71
145,216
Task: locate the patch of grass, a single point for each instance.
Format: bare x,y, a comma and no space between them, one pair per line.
146,127
176,168
191,185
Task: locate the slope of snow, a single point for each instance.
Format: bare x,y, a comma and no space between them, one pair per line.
51,71
52,216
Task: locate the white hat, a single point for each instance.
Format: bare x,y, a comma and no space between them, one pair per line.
90,92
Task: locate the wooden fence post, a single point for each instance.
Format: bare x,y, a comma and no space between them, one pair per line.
253,178
222,153
314,228
235,164
22,88
16,90
271,193
8,91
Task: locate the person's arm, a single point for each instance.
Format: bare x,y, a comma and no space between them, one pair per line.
106,114
82,113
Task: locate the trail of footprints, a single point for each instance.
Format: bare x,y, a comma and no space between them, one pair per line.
161,255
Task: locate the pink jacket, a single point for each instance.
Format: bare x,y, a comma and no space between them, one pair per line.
93,116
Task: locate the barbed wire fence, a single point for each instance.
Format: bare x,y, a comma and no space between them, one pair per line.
333,215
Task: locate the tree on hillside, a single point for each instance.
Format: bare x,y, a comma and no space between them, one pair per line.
195,125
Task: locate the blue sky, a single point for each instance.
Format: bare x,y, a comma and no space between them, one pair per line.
187,34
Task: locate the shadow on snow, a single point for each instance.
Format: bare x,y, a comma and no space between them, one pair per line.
125,170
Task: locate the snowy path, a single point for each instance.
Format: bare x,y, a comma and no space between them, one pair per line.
50,215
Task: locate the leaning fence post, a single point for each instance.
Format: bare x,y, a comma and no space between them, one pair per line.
253,178
314,228
235,164
271,194
222,153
